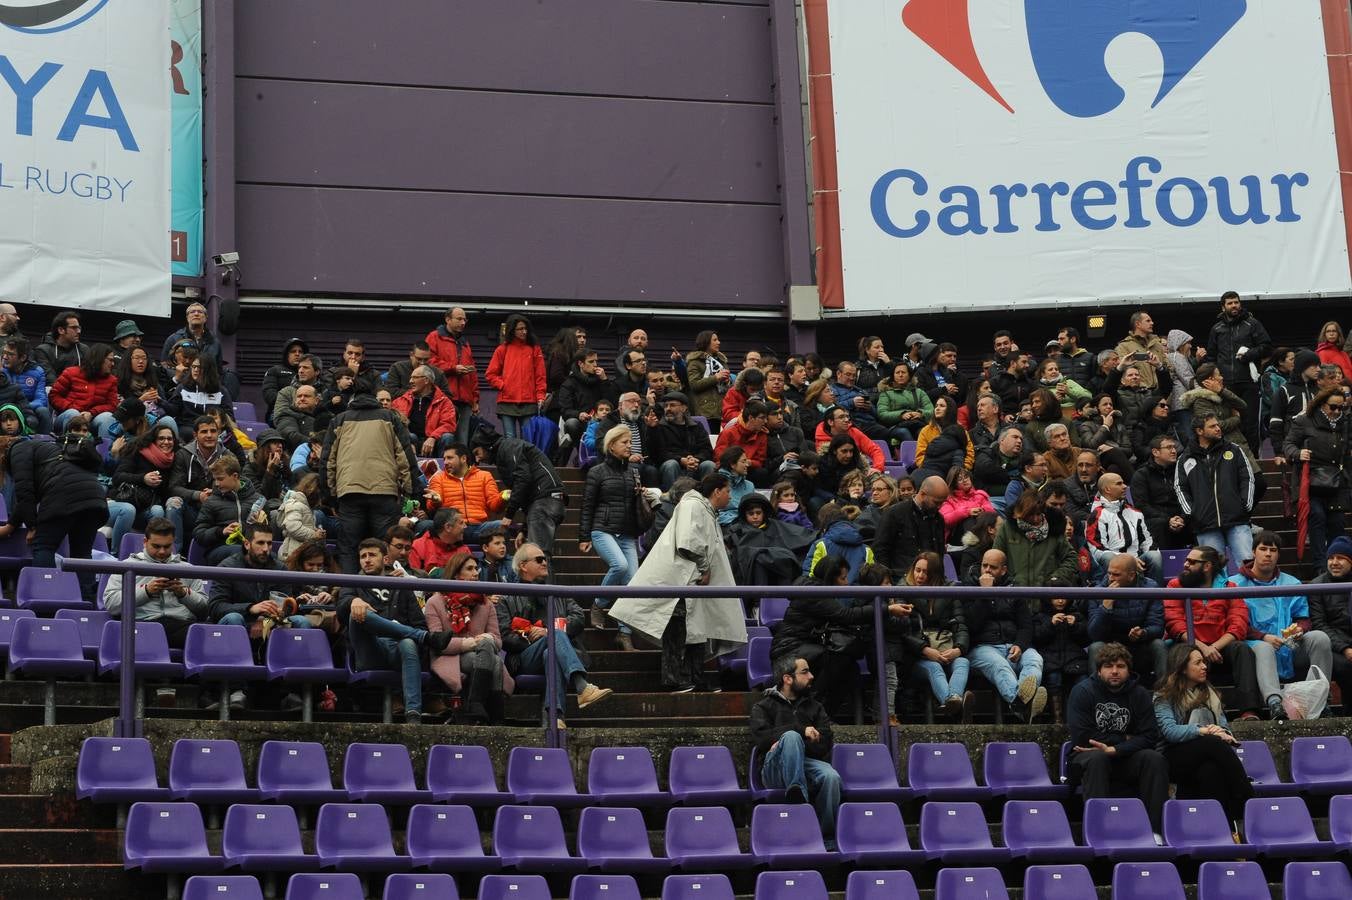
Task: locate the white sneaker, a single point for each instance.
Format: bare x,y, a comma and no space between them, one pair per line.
236,700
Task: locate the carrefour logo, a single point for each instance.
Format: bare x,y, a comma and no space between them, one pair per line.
1069,40
48,17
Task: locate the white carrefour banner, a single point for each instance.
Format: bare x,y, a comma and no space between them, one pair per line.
84,154
1035,152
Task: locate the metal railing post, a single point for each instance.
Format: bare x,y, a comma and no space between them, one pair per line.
551,677
128,724
880,674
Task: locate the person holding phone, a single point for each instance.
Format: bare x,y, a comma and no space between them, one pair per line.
176,602
1142,345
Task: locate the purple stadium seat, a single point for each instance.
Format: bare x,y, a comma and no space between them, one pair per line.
736,661
196,556
771,612
445,838
1173,563
423,886
614,839
328,886
208,772
1068,882
1019,772
603,887
220,653
90,622
759,672
759,792
1322,765
48,648
117,770
245,412
1119,829
624,776
355,837
296,772
46,590
881,885
908,454
867,773
1340,822
790,886
1038,831
873,834
381,773
1315,881
514,887
14,549
1199,829
264,839
132,542
1261,768
151,646
967,884
302,656
167,837
530,839
1146,881
956,833
942,772
697,887
1281,826
704,775
540,775
788,834
463,774
1232,881
703,837
8,617
222,887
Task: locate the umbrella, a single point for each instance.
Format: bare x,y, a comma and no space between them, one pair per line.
1303,512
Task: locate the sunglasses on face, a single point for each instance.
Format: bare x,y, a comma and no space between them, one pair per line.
539,560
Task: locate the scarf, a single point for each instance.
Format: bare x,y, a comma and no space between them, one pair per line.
1034,533
160,459
459,608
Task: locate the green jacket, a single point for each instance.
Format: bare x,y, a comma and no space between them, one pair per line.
892,402
1035,565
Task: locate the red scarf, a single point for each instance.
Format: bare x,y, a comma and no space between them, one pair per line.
459,608
160,459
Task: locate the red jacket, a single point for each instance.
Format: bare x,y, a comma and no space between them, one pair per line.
428,553
1335,355
440,413
1210,618
73,390
733,403
867,445
517,370
753,444
449,352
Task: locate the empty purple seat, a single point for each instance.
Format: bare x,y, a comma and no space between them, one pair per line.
1232,881
47,649
704,775
513,887
697,887
881,885
956,833
735,661
356,837
132,542
445,838
790,886
788,834
1281,826
771,612
614,839
1038,831
759,671
970,883
151,645
1199,829
1322,765
381,773
1119,829
244,412
220,653
1146,881
1068,882
541,775
1315,881
463,774
167,837
1261,768
264,839
530,839
704,838
1018,771
117,770
302,655
942,772
46,590
90,622
873,834
1340,822
208,772
603,887
422,886
624,776
867,773
296,772
328,886
8,618
222,887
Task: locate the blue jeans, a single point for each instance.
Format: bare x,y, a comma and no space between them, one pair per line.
512,425
102,422
787,765
380,643
1236,542
1154,563
672,469
621,554
474,533
992,661
533,663
944,684
44,417
121,518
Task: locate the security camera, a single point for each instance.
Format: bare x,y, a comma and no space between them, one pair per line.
226,259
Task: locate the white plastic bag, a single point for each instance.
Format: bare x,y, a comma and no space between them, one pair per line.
1307,699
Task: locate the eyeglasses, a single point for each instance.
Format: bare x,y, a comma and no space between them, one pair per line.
539,560
1189,561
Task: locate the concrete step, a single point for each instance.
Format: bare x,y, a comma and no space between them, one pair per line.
646,706
67,846
4,748
103,881
60,811
14,779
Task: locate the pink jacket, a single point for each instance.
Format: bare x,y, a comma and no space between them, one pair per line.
483,618
959,506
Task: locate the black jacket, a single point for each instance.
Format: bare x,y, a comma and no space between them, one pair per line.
398,605
904,531
225,597
1080,497
1328,445
1080,367
296,427
1063,647
220,510
675,441
1215,486
132,469
1013,392
52,481
778,444
774,716
1124,718
55,360
808,619
944,614
992,473
532,609
1287,403
1227,336
579,393
1329,613
12,395
997,620
1152,492
278,376
608,499
191,475
527,472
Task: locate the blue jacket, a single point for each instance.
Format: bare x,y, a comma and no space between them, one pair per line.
1176,731
1127,613
741,487
844,540
33,382
1269,615
845,400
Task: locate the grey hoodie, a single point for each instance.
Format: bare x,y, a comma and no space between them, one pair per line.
166,605
1180,367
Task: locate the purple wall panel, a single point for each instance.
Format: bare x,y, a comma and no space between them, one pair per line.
634,48
339,241
449,140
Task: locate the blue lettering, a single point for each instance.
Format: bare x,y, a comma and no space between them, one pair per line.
123,187
1133,184
878,203
1045,192
25,91
65,179
82,185
102,190
1226,210
1002,194
1164,202
32,178
1080,201
969,209
1285,184
96,82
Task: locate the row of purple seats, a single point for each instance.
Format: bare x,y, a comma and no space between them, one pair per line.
399,886
941,771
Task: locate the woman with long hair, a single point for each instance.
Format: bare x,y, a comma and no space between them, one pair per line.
89,388
709,376
874,363
901,402
1197,741
941,632
1330,348
1046,411
199,392
965,502
818,398
1068,394
1319,441
567,341
142,479
297,518
313,556
517,370
943,443
1035,545
470,665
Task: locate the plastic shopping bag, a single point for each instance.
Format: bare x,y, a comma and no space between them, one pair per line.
1307,699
